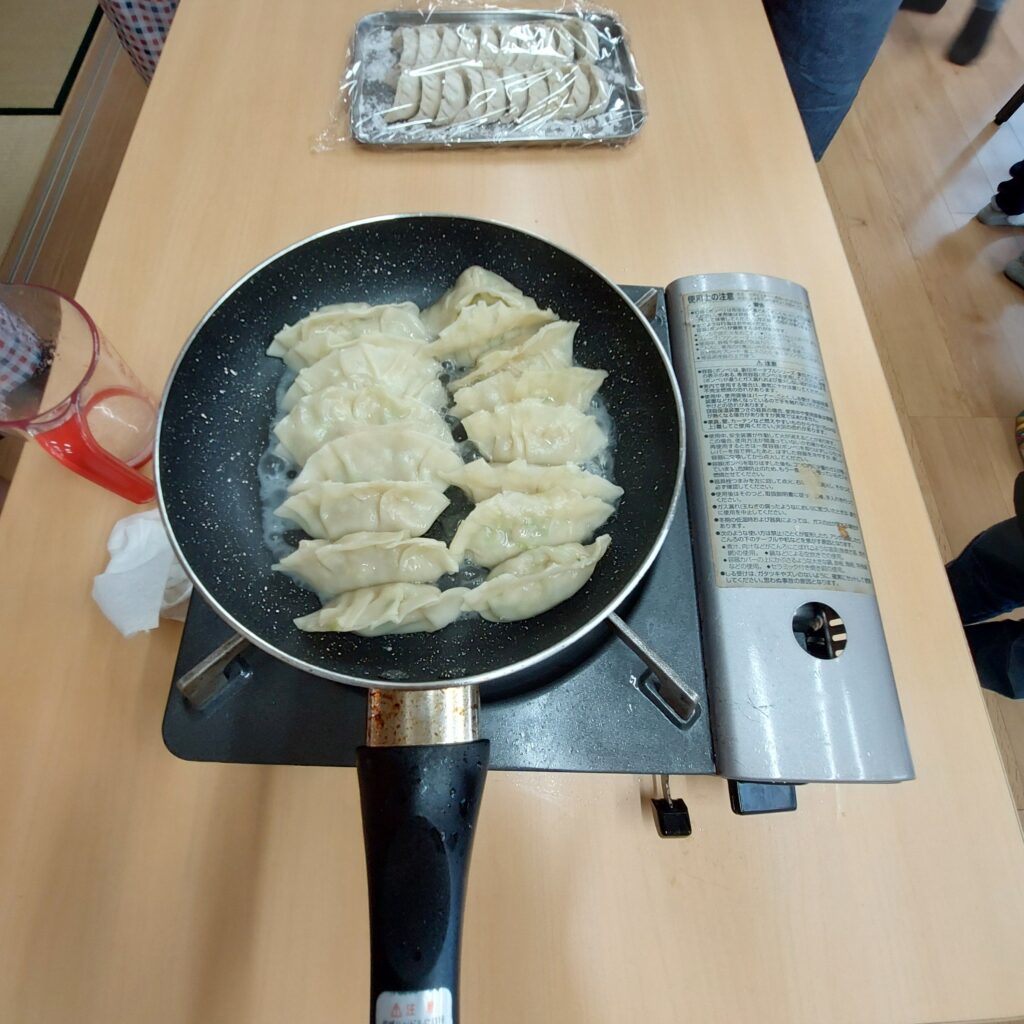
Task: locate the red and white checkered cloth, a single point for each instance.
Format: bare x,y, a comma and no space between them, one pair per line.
21,355
142,27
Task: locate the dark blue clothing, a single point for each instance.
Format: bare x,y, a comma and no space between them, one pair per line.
987,580
827,47
1010,193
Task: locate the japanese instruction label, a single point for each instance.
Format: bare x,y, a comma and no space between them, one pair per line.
779,506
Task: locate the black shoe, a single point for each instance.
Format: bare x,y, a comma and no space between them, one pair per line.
923,6
1017,168
973,36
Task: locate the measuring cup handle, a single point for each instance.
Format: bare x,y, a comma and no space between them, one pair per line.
122,478
112,472
99,466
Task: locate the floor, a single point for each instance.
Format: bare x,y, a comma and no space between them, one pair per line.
912,164
24,141
39,45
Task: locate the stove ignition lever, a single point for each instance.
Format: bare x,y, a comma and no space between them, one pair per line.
671,816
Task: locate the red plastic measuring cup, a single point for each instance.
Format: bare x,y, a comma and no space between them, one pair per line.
63,386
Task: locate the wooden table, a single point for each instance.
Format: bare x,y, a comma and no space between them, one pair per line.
138,888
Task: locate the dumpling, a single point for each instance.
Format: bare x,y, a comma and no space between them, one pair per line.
599,91
546,95
338,410
392,608
483,326
575,386
481,479
548,46
475,110
322,344
511,45
345,320
453,95
563,42
550,348
367,560
329,511
509,523
576,99
495,100
530,46
430,96
469,42
475,284
313,348
537,97
535,581
517,90
404,371
560,86
407,42
338,313
407,98
537,432
429,45
588,39
380,453
490,46
449,44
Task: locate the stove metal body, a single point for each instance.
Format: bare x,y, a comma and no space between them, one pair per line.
799,675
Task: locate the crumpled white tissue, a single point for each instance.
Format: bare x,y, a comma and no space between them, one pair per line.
143,579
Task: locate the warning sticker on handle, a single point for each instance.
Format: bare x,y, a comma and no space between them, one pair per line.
432,1006
779,505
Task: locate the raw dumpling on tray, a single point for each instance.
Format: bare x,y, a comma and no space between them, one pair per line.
473,73
367,410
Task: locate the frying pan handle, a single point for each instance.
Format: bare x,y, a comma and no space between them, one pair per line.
420,806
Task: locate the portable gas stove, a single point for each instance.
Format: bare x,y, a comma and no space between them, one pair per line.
605,712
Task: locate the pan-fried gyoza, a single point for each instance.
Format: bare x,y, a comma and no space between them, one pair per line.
364,422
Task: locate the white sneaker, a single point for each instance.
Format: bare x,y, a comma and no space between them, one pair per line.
1014,270
995,218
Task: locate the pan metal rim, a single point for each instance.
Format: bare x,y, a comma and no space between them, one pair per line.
480,678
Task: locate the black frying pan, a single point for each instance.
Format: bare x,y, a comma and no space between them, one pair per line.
213,427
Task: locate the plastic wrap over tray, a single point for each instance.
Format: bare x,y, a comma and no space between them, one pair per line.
486,76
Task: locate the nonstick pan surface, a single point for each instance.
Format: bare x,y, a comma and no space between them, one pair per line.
220,402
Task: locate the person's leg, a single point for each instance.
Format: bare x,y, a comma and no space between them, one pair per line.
1010,193
974,35
827,47
1006,208
998,652
987,577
